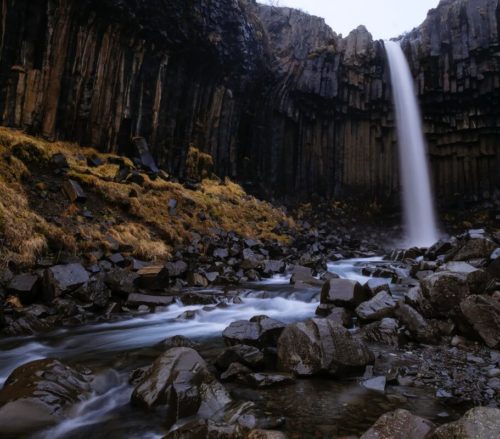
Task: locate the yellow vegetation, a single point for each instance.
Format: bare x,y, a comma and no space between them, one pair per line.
135,216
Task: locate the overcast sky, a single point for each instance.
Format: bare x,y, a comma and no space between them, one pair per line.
383,18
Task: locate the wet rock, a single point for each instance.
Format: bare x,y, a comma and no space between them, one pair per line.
415,298
304,275
197,280
180,378
340,316
236,372
416,324
385,332
62,279
177,341
153,277
28,324
380,306
249,356
201,298
376,384
26,287
121,282
483,313
445,291
319,346
203,429
266,434
177,268
74,191
264,380
478,247
478,423
136,299
400,424
343,292
376,285
96,292
40,394
259,331
272,267
477,279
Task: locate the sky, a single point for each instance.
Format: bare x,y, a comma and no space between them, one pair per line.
383,18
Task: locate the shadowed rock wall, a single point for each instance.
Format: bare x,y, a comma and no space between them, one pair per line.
272,93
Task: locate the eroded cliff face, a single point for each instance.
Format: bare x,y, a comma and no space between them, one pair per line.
272,93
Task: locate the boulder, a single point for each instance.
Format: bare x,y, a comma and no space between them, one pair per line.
25,286
180,379
416,324
203,429
266,434
478,423
249,356
483,314
340,316
272,267
386,332
476,278
263,380
478,247
40,394
303,275
320,346
445,291
380,306
177,268
259,331
400,424
236,372
197,280
153,277
375,384
74,191
343,292
121,282
61,279
136,299
376,285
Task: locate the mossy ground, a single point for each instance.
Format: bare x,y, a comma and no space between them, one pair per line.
37,219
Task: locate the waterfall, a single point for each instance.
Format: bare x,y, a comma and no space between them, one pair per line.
420,218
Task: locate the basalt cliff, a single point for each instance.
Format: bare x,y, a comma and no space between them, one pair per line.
273,94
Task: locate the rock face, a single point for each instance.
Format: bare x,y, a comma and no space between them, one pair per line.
478,423
40,394
320,346
180,379
273,94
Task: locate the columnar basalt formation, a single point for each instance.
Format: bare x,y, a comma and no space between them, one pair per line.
272,93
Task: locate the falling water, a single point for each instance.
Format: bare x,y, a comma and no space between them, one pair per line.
421,228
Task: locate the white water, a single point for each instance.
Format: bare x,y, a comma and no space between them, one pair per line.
420,218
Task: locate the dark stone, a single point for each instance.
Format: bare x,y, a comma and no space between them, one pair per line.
385,332
236,372
248,356
40,394
265,380
136,299
177,268
74,191
400,424
181,379
58,161
118,259
260,331
221,253
153,277
191,298
343,292
121,282
197,280
445,291
416,324
380,306
320,346
26,287
304,275
145,157
478,423
62,279
483,313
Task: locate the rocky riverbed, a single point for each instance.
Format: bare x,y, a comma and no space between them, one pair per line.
316,340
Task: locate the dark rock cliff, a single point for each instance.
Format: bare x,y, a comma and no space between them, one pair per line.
272,93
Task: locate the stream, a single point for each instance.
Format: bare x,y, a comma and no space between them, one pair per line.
112,350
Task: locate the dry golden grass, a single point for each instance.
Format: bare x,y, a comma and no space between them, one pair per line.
135,216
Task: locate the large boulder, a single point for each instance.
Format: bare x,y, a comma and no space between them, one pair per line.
477,247
483,314
61,279
259,331
400,424
320,346
180,379
380,306
478,423
25,286
249,356
386,331
40,394
416,324
343,292
445,291
476,278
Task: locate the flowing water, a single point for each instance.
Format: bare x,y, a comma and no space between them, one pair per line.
420,218
113,350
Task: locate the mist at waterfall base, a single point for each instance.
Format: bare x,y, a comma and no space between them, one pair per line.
420,217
